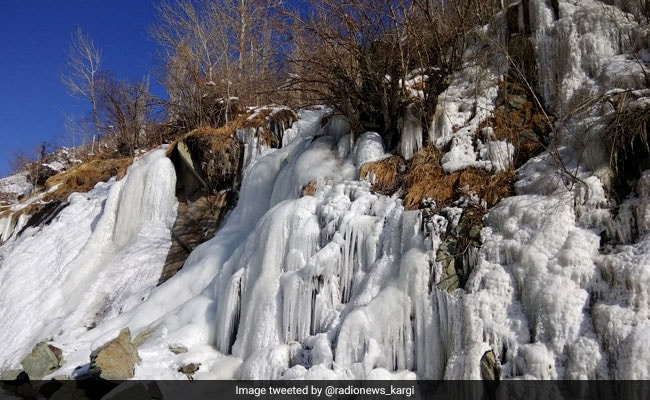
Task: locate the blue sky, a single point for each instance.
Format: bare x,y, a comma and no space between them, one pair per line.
34,40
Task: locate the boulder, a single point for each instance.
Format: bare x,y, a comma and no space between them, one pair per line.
43,360
116,359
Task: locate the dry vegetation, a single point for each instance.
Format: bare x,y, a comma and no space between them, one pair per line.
519,120
627,134
423,177
385,175
57,188
309,189
426,179
85,176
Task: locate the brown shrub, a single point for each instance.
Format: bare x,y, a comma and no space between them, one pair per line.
519,120
385,175
85,176
426,179
310,188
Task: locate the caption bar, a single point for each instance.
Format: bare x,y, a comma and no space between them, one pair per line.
325,390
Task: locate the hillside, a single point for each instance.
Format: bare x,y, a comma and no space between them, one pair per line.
509,237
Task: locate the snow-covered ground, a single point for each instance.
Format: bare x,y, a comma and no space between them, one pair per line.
341,283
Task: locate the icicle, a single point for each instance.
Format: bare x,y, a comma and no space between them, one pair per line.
359,251
410,129
228,313
378,335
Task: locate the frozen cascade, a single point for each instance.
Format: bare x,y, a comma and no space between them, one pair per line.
359,252
292,275
573,51
93,269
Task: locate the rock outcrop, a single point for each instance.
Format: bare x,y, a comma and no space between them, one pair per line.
208,164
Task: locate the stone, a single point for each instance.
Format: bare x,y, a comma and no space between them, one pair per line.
458,252
490,369
179,349
189,370
10,374
116,359
43,360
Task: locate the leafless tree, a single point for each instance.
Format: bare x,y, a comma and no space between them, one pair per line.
82,69
126,111
213,51
356,55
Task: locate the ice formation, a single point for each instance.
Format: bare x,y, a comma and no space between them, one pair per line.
343,283
93,262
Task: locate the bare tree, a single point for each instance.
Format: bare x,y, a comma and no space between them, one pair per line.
212,52
125,110
80,134
357,55
82,69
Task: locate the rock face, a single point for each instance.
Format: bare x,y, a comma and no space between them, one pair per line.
207,164
458,253
43,360
10,374
116,359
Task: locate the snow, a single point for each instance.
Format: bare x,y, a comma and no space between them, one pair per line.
368,147
17,184
55,166
462,107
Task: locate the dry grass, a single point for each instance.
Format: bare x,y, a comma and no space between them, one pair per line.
266,121
84,177
80,178
310,188
385,175
426,179
518,120
627,136
262,120
208,132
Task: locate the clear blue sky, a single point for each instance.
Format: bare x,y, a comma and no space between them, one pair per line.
34,40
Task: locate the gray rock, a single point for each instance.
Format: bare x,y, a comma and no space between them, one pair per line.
43,360
10,374
116,359
189,370
178,349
